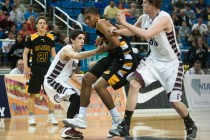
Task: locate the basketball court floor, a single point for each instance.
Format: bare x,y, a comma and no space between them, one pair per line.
155,125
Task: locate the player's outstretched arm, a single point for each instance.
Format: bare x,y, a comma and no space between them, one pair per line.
66,54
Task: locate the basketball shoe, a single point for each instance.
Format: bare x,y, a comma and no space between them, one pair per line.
115,122
31,120
52,120
122,130
71,133
191,132
78,121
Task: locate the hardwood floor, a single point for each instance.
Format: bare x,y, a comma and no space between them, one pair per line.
143,128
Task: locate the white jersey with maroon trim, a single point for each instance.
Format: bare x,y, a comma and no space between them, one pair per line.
163,46
61,71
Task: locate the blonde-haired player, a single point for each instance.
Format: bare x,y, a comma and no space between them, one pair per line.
163,63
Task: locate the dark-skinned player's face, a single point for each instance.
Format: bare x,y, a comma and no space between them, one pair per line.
91,19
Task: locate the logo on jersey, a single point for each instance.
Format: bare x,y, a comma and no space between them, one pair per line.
74,64
153,42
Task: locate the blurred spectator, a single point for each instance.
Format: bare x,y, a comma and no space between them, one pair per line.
17,16
20,6
134,11
189,12
19,68
30,12
201,8
184,30
16,51
177,5
202,53
200,26
125,10
175,20
196,69
6,46
208,15
57,35
81,18
66,41
8,22
194,35
191,54
110,11
6,7
2,20
183,17
12,29
24,31
31,24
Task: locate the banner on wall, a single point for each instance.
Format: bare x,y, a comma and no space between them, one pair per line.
18,98
4,105
197,90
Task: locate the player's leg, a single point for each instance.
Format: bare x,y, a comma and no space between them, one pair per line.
87,81
174,90
101,89
33,88
124,127
73,109
51,106
31,109
138,79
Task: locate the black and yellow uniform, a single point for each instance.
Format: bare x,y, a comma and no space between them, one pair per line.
117,65
39,59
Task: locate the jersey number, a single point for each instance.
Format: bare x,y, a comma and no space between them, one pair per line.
153,42
42,57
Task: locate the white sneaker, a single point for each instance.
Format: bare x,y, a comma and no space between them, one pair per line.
78,121
31,120
115,122
52,120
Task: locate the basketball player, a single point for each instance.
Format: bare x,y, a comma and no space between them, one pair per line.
56,82
109,71
163,63
36,56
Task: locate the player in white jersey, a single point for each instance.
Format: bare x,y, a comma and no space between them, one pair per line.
56,82
163,63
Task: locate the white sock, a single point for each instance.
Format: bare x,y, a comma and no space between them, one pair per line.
114,112
83,110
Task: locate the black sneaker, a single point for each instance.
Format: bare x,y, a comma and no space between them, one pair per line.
122,130
191,132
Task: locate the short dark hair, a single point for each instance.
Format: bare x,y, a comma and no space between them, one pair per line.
41,17
197,62
156,3
74,34
92,10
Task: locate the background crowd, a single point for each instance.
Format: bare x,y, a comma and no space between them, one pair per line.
191,19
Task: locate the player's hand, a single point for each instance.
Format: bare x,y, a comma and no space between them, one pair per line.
97,41
102,47
112,30
27,72
121,19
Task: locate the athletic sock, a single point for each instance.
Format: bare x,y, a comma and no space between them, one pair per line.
114,113
127,117
188,121
83,110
